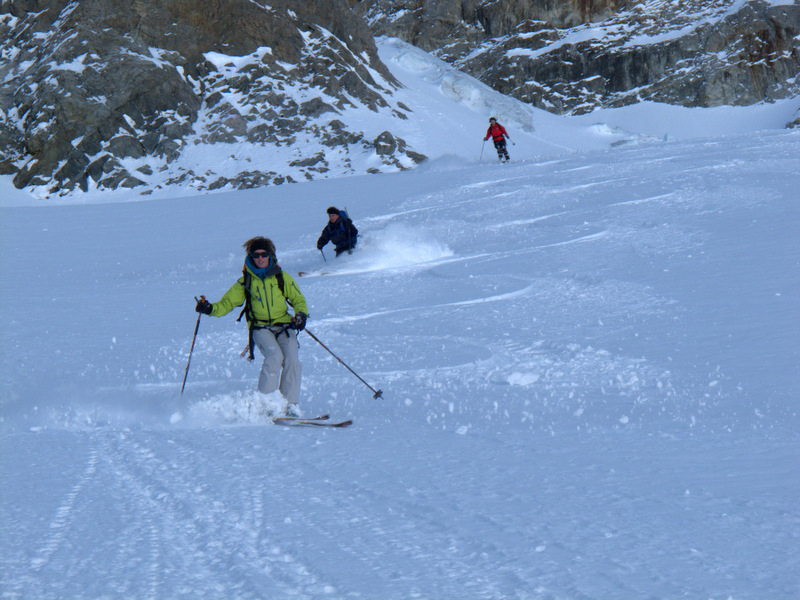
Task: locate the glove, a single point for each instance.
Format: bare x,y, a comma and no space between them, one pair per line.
204,306
320,246
299,321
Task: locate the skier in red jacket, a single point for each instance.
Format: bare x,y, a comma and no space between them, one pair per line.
498,134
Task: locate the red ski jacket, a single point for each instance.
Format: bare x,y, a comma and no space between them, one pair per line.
496,132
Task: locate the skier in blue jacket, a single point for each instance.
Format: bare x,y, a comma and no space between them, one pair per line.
340,231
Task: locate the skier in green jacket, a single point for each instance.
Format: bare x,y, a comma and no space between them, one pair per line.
266,290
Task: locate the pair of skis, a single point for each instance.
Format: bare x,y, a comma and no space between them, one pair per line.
320,421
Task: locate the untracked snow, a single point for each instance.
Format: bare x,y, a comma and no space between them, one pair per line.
589,363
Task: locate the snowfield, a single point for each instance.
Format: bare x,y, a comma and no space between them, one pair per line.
589,362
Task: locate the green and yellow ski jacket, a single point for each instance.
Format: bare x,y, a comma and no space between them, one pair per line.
267,301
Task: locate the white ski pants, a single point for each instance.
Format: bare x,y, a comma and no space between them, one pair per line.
281,367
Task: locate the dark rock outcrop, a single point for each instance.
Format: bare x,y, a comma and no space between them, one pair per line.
127,94
103,93
572,56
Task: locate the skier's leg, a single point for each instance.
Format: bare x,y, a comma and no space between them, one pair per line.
292,370
269,377
498,145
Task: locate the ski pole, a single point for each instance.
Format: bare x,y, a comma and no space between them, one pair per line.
481,156
323,255
376,393
194,337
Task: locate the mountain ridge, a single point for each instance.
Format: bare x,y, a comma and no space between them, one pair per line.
109,97
87,88
573,57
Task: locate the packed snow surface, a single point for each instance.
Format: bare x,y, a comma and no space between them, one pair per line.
588,356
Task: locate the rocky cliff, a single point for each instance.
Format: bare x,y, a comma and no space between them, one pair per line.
103,94
571,56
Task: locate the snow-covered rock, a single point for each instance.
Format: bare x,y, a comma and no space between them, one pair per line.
108,94
572,57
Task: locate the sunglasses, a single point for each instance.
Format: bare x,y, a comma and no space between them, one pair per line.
260,254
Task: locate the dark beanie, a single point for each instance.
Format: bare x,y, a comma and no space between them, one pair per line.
332,210
259,243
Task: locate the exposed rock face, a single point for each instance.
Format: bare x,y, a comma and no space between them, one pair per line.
449,27
104,93
110,94
795,122
575,55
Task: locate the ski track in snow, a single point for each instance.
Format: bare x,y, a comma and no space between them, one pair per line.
168,530
227,521
64,516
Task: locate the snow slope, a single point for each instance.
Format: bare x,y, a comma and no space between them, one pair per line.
588,356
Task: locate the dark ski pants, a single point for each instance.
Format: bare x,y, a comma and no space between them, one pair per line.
502,152
346,248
